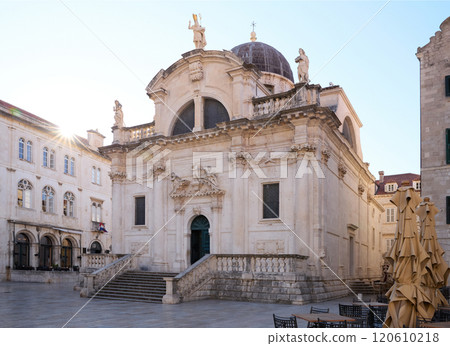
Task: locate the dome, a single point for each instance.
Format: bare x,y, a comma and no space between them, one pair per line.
264,57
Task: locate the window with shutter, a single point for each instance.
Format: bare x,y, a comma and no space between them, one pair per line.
139,211
447,85
447,145
271,199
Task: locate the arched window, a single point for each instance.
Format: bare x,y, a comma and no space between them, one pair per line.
52,159
72,166
45,252
66,254
185,121
95,247
93,170
66,164
96,212
21,252
347,132
48,195
214,112
98,176
69,202
21,148
45,157
24,188
29,151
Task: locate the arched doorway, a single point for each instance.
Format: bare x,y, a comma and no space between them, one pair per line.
45,253
199,238
95,247
66,254
21,252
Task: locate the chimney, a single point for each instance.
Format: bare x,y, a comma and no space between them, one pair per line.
95,138
381,173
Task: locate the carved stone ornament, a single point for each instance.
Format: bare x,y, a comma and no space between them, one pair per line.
305,147
361,189
197,210
196,71
342,170
325,156
204,185
117,176
159,168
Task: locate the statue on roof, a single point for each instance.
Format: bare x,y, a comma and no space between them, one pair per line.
118,117
303,66
199,33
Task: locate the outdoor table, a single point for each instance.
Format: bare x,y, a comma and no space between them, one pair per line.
327,317
437,325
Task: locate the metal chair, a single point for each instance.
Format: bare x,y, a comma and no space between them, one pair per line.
284,322
420,321
377,315
325,324
315,310
358,312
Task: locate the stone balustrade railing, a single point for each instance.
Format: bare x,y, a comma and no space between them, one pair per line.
214,266
94,281
97,260
301,95
142,131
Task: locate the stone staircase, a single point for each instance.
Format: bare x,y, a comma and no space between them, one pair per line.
139,286
363,287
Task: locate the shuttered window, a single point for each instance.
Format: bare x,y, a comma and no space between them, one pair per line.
447,85
271,198
139,211
447,145
448,210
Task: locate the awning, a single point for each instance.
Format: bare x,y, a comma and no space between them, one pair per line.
68,230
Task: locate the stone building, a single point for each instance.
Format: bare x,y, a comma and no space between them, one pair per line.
55,192
243,164
385,187
434,60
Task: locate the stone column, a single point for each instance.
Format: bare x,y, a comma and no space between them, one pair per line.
117,227
239,203
179,260
214,230
158,240
198,105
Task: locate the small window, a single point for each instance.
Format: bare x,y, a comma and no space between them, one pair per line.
390,215
269,88
139,211
447,145
271,199
448,210
52,159
389,244
416,185
24,188
93,170
21,148
98,176
48,195
69,202
95,247
96,212
66,164
72,166
391,187
29,151
45,157
447,85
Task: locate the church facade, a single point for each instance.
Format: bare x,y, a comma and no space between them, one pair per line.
241,160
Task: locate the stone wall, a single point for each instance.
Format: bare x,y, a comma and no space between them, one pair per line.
48,277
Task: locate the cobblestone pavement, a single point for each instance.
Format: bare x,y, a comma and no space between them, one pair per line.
30,305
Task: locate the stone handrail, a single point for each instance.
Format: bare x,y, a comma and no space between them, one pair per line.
94,281
97,260
141,131
301,95
187,282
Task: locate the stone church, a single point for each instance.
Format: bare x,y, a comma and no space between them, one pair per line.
244,171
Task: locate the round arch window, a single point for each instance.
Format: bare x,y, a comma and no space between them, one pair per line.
45,252
66,254
95,247
22,252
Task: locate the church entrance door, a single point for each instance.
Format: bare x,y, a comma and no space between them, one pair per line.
199,238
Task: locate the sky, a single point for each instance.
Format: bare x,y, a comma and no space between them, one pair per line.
67,61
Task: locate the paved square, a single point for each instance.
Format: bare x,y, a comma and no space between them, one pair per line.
30,305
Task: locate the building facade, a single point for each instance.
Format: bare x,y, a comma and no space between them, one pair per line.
240,160
385,188
55,195
435,127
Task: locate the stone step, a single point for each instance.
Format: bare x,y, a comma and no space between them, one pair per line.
136,286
